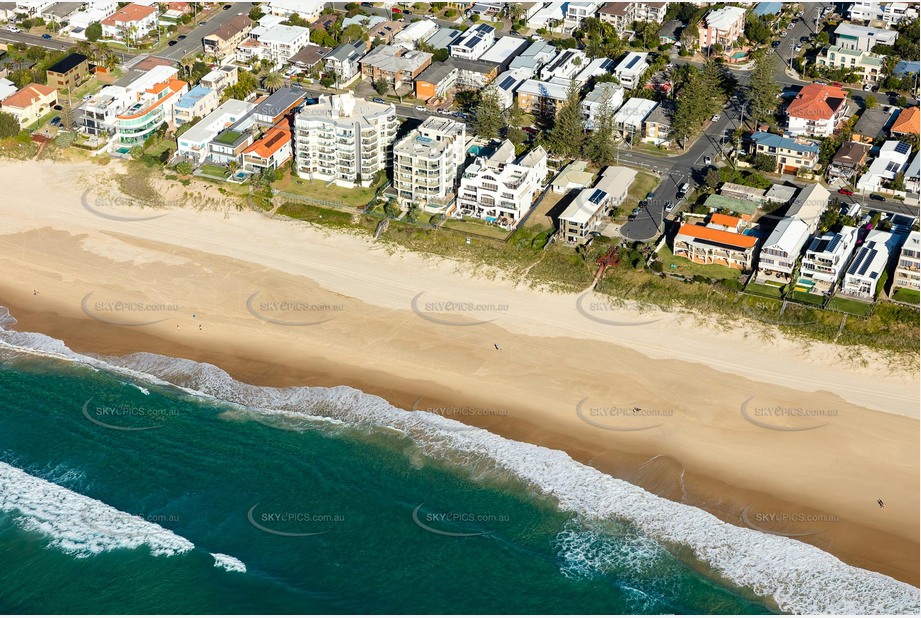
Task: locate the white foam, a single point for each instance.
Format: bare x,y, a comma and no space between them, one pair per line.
228,563
77,524
796,577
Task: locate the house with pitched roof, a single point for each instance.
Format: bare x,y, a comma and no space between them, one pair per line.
270,151
30,103
790,154
718,242
224,40
130,23
817,110
778,255
851,156
907,123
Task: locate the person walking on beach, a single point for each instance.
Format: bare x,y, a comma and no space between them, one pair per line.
880,502
497,346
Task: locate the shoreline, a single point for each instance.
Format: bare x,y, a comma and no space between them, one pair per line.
545,365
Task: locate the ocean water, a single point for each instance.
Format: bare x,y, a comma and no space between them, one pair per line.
147,484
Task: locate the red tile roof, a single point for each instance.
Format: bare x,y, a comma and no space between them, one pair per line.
130,13
817,102
270,143
909,121
731,239
27,96
725,220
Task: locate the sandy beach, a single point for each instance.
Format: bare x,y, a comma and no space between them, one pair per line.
785,436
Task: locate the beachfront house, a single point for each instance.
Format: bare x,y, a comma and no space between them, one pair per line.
585,215
721,241
825,259
864,276
193,144
30,103
781,250
908,268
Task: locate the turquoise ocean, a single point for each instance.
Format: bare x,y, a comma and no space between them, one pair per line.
148,484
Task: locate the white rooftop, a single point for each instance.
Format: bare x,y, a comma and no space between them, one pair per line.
724,18
501,49
634,111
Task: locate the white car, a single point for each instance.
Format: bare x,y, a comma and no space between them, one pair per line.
14,29
420,108
708,160
799,47
783,34
715,118
867,88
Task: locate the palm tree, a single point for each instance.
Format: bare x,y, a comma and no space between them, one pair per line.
187,65
273,81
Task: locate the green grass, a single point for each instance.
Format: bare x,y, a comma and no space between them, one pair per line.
689,269
642,185
475,226
806,297
228,137
214,170
847,305
760,289
903,295
316,214
355,197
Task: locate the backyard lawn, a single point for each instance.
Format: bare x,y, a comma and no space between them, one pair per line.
642,185
214,170
760,289
906,296
847,305
686,267
355,197
475,227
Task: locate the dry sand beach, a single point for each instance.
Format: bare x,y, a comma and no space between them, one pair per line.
690,408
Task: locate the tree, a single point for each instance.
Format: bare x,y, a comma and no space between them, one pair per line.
488,115
323,38
354,32
516,135
567,134
256,13
440,55
94,32
712,178
381,85
823,38
9,126
869,102
273,81
600,147
763,89
764,162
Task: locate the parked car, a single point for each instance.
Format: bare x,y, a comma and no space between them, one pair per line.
57,108
877,197
846,192
226,7
421,108
377,100
716,118
13,29
775,44
867,87
650,195
636,211
47,37
55,121
708,160
173,42
203,22
669,206
783,34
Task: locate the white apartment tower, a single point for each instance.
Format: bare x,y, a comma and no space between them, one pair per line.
427,162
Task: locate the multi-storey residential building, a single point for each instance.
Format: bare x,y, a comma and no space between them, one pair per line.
868,66
500,188
224,40
69,72
892,13
344,61
850,157
576,12
503,50
724,26
825,259
718,242
228,145
631,69
908,268
270,151
278,106
193,144
860,38
621,15
413,33
428,161
474,42
98,115
196,103
790,154
913,175
809,205
344,139
397,65
541,98
221,77
130,23
310,11
629,119
534,57
565,66
151,108
817,110
863,276
30,103
506,85
276,44
657,127
594,101
586,213
891,161
778,255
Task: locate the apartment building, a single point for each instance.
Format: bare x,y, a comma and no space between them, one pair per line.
69,72
577,12
565,66
541,98
344,61
535,56
825,259
631,69
782,249
657,127
30,103
428,162
724,26
790,154
629,119
397,65
586,213
868,66
223,42
278,106
150,109
817,110
219,78
890,13
193,144
594,101
196,103
861,38
908,268
865,272
344,140
718,242
130,23
474,42
621,15
500,188
276,44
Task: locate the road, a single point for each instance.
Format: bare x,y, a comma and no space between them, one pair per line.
192,43
404,110
35,40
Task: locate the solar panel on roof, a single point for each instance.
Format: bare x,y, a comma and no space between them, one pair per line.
507,82
902,148
633,61
597,196
870,255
